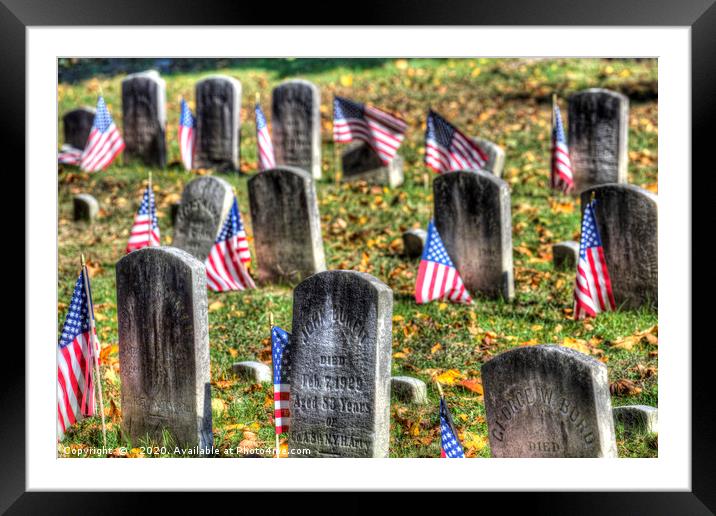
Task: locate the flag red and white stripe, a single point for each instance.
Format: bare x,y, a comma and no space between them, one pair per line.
562,177
145,229
104,142
280,340
186,135
69,155
226,265
448,149
267,159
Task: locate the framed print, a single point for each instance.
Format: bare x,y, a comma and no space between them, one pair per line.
431,234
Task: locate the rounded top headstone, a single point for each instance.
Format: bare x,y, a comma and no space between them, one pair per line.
620,189
599,91
474,175
219,77
167,253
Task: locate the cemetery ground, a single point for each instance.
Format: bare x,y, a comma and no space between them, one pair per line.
507,101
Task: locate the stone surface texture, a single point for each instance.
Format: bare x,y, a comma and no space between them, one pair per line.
496,156
413,242
144,118
409,389
218,123
85,207
565,255
639,418
255,371
77,125
361,163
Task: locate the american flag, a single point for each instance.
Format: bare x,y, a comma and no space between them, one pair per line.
228,258
104,142
593,288
438,277
186,135
561,177
448,149
263,138
69,155
450,447
281,379
75,388
145,230
381,130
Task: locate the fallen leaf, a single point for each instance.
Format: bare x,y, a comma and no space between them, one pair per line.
624,387
449,377
216,305
472,384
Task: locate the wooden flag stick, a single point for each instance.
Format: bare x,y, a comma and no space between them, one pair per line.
278,448
94,346
440,389
258,98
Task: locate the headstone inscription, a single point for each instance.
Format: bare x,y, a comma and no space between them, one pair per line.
77,125
85,207
286,225
598,137
495,156
340,365
205,203
472,216
164,346
144,118
548,401
218,123
296,125
361,162
627,218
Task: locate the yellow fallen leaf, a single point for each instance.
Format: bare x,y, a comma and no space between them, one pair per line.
215,306
437,347
218,405
576,344
449,377
347,80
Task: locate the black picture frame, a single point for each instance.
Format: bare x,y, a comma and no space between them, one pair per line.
700,15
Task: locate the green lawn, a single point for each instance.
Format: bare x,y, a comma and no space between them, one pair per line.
507,101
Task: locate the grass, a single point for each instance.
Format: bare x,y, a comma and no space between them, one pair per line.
507,101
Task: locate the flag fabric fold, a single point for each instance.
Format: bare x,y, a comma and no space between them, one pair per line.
187,125
353,121
450,446
280,340
438,278
145,229
267,159
593,287
226,265
69,155
104,142
561,176
75,355
448,149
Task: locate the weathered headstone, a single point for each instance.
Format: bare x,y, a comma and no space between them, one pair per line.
163,323
85,207
144,118
205,203
361,163
639,418
548,401
472,216
495,156
77,126
409,389
598,137
340,365
218,123
627,218
296,125
413,242
173,212
565,255
254,371
286,225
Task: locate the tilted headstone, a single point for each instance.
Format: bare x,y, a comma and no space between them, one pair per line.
218,123
163,323
413,242
144,118
205,203
637,418
627,219
472,216
286,225
77,126
598,137
340,365
548,401
85,207
409,389
495,156
254,371
565,255
361,162
296,125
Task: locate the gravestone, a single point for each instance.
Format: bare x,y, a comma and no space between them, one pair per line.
340,365
77,125
296,125
286,225
144,118
598,137
85,207
627,218
472,216
565,255
637,418
495,156
409,389
413,242
548,401
205,203
173,211
254,371
361,163
218,123
163,323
